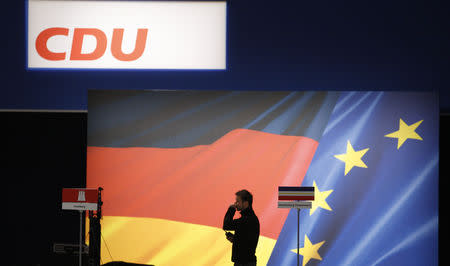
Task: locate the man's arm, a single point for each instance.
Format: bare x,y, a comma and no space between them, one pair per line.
228,222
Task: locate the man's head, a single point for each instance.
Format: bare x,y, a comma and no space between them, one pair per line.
244,200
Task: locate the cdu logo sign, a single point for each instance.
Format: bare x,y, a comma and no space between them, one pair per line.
126,35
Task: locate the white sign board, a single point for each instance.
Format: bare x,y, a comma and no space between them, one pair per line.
295,204
126,34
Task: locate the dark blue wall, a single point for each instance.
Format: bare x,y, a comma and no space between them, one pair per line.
271,45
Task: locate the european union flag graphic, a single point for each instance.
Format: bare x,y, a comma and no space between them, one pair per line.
375,174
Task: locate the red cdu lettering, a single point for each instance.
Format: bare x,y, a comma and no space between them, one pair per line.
41,43
116,45
77,44
100,47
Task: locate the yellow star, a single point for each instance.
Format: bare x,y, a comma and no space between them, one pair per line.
405,132
309,251
352,158
319,199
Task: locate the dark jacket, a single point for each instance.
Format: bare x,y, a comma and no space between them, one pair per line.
246,234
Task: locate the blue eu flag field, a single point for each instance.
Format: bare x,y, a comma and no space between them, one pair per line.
375,174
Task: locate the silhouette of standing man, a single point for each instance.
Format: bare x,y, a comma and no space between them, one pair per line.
246,230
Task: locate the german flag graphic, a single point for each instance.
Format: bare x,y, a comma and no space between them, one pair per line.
171,161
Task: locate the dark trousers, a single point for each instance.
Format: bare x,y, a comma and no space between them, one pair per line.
245,264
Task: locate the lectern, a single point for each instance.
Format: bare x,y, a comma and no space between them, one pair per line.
296,198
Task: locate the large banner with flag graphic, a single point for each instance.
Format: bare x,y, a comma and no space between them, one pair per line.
171,161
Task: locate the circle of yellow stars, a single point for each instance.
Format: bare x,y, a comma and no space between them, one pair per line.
351,158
